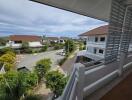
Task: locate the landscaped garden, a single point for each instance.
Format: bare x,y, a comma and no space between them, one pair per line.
19,85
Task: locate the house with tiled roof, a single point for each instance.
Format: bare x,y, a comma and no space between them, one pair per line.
95,42
15,41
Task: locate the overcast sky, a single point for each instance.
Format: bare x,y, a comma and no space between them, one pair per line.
26,17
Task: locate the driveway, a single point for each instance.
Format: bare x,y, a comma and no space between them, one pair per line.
29,60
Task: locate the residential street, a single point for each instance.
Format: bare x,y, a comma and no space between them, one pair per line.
29,60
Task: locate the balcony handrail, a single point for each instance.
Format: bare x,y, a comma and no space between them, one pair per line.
70,84
74,84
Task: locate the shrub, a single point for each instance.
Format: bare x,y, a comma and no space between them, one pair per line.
56,82
44,48
32,97
42,67
28,50
58,46
18,84
8,60
5,50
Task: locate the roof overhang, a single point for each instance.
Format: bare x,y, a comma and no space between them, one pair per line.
99,9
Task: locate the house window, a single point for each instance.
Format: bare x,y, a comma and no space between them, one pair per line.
17,42
95,50
102,39
101,51
96,39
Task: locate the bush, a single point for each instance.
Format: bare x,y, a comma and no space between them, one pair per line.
42,67
44,48
5,50
56,82
8,60
18,84
58,46
28,50
32,97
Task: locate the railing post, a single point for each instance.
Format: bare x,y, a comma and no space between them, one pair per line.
123,57
80,85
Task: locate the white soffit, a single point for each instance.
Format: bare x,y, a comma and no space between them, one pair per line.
99,9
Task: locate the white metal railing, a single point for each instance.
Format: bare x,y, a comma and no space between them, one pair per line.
85,79
74,85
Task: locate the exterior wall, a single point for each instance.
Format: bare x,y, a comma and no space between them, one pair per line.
35,44
95,45
14,45
91,45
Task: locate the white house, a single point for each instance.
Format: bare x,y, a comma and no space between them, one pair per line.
95,43
56,39
15,41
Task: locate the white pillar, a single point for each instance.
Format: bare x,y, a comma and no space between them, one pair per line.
81,76
122,62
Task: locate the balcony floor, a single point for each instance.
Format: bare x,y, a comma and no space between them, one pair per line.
122,91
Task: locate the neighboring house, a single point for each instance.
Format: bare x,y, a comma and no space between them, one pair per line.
52,39
15,41
55,39
63,39
95,43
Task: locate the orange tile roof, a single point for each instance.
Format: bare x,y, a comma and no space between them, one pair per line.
102,30
25,38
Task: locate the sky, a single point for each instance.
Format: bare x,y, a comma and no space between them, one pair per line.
31,18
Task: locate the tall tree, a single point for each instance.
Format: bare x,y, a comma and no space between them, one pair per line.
69,46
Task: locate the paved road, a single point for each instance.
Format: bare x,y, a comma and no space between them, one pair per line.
29,60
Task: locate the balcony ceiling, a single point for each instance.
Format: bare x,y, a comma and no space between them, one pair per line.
99,9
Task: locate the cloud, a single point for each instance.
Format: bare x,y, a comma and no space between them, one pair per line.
26,17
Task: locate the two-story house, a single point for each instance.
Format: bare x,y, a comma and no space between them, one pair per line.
95,43
15,41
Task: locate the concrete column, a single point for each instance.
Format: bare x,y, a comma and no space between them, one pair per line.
80,85
122,62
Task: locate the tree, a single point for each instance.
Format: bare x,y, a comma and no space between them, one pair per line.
82,46
56,82
13,85
42,67
69,46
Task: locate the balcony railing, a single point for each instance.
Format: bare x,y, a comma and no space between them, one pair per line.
88,77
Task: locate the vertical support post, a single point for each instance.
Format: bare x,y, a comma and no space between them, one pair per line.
125,38
123,57
80,85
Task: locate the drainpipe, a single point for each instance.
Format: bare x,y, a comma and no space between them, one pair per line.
123,55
